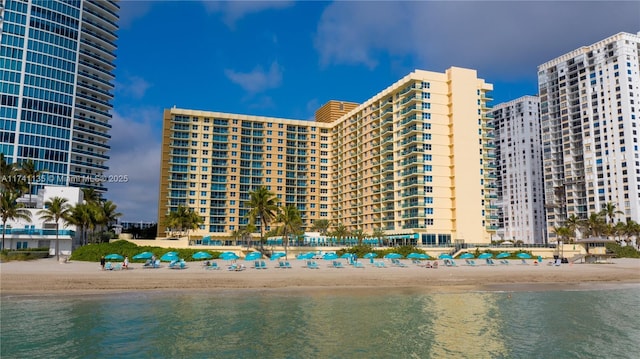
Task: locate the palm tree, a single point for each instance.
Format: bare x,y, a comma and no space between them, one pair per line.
83,216
378,233
339,232
30,172
10,176
235,235
359,235
264,208
91,196
321,226
10,209
56,209
594,224
573,223
610,212
291,222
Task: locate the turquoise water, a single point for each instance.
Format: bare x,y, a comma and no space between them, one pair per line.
325,324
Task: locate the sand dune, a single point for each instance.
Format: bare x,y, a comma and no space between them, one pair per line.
48,277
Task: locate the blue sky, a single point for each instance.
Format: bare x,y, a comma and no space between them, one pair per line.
285,59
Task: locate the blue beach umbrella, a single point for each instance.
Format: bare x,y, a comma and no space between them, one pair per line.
503,255
393,256
413,255
524,255
169,256
423,256
228,256
330,256
307,255
346,255
143,255
370,255
485,255
467,256
253,256
114,257
202,255
445,256
277,255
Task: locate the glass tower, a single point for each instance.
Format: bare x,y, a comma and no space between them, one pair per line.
56,87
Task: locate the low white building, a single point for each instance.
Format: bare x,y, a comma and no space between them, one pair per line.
20,234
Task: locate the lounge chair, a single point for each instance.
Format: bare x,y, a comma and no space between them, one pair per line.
470,262
379,264
213,265
524,262
108,266
256,265
312,265
504,261
263,265
358,265
337,264
490,262
118,266
287,265
156,264
450,263
147,264
397,263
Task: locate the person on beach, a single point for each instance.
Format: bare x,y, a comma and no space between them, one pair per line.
125,265
102,262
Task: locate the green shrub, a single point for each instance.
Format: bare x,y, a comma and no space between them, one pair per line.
622,252
93,252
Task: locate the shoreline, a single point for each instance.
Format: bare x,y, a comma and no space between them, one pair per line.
46,277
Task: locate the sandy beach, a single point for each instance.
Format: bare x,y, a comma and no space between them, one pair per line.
48,277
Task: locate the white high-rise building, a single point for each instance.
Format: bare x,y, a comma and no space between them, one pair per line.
589,108
519,183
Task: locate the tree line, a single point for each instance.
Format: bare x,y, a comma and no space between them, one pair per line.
265,210
600,224
93,217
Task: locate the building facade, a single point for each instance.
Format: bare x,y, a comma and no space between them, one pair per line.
589,112
415,160
519,184
21,234
56,84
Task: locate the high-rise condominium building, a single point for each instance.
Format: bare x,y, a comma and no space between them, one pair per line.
415,160
56,83
589,108
519,184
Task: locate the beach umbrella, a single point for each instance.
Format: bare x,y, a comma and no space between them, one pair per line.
393,256
423,256
346,255
143,255
503,255
308,255
485,255
330,256
524,255
413,255
277,255
202,255
228,256
169,257
467,256
114,257
370,255
445,256
253,256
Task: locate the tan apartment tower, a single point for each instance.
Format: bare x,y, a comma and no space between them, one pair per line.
414,161
333,110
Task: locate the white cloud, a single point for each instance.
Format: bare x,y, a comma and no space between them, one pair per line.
232,11
500,38
132,86
257,80
135,152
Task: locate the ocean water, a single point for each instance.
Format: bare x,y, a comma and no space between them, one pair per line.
390,323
